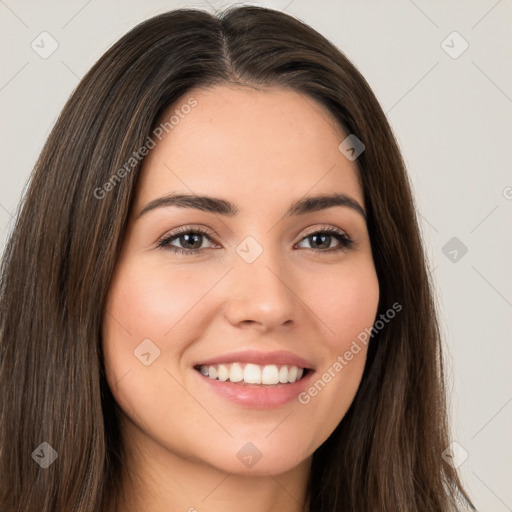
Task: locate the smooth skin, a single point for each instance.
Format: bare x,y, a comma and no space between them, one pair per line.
261,150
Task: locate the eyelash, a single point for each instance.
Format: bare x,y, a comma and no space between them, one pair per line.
345,241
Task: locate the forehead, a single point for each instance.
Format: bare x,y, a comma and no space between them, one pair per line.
243,144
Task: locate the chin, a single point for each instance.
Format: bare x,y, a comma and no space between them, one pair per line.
258,456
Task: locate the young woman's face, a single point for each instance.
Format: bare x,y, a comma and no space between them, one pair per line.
267,293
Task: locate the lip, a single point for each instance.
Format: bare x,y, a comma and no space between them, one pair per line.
279,357
257,396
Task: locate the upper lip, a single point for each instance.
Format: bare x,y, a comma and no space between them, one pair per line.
279,357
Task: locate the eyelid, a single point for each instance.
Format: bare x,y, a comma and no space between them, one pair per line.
191,227
208,232
324,227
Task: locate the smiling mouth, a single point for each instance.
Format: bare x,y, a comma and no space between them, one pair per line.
264,375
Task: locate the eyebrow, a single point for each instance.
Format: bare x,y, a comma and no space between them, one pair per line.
223,207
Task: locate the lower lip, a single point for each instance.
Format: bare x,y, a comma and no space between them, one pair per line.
258,396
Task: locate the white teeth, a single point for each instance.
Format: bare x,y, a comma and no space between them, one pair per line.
269,374
222,373
292,374
252,374
236,374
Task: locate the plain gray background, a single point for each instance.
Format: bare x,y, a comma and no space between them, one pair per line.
451,113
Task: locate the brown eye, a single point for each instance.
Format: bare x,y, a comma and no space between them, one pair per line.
323,239
189,239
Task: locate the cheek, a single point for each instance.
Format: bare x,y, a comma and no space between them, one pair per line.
151,310
144,333
148,300
346,301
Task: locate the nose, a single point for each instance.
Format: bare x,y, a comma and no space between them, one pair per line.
261,294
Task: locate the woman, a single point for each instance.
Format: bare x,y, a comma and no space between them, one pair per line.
172,336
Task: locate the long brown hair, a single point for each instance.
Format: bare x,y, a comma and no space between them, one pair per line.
386,453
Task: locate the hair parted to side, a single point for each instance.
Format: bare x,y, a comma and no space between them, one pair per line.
385,455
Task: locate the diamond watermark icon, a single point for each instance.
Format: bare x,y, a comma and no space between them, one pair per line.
454,45
351,147
454,250
249,455
44,455
44,45
146,352
455,455
249,249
